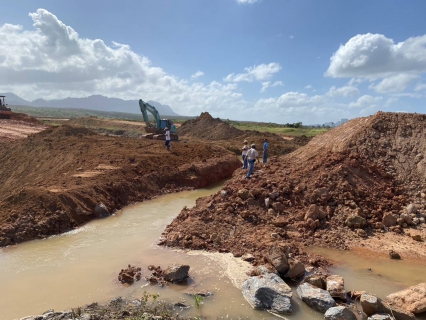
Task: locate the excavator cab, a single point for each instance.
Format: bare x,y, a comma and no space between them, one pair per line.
5,112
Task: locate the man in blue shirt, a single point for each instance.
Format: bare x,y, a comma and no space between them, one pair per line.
265,150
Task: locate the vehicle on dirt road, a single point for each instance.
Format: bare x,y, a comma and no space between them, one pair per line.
5,112
156,130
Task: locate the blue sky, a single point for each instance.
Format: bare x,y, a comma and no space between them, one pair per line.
269,60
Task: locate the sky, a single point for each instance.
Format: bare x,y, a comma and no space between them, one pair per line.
281,61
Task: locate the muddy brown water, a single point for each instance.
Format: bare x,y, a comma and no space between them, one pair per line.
81,267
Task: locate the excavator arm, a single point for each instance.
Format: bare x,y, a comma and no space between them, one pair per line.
145,108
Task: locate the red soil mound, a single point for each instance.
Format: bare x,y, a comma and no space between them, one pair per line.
62,177
352,182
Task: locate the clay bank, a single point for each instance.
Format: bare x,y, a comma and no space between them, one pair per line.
358,186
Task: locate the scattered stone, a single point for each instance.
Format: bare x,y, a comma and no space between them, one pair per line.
381,316
389,219
336,287
176,273
417,237
339,313
129,275
412,299
369,303
101,210
268,292
314,297
394,255
248,257
355,222
296,269
277,258
317,281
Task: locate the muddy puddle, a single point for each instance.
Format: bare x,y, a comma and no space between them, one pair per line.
81,267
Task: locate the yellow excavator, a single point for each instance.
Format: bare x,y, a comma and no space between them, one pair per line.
156,130
5,112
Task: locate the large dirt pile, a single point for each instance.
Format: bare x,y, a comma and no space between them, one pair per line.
62,177
359,181
209,129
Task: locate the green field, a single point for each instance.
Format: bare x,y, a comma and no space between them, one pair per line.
289,129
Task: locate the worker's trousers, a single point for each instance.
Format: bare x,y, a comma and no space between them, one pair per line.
251,167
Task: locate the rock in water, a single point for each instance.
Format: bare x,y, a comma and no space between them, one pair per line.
176,273
268,292
314,297
339,313
394,255
412,299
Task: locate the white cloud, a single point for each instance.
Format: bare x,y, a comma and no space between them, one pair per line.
259,73
265,85
197,74
291,37
346,91
52,62
396,83
420,87
248,1
308,86
374,56
268,84
365,101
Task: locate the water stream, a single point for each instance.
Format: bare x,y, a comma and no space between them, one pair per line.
81,267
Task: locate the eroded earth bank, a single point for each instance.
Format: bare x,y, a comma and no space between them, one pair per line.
59,178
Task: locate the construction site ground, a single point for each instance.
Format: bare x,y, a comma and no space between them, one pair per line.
54,179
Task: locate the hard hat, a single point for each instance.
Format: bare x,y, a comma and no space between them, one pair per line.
253,146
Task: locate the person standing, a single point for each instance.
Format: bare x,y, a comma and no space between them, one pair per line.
265,150
167,144
244,154
252,154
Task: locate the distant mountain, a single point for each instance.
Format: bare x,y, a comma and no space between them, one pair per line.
13,99
95,102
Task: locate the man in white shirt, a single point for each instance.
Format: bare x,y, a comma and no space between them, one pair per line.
252,154
167,144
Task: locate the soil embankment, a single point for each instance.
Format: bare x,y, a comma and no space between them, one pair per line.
19,126
360,185
57,179
213,130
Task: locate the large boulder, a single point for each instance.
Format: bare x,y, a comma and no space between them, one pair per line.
412,299
369,304
339,313
278,258
268,292
176,273
336,287
314,297
397,313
